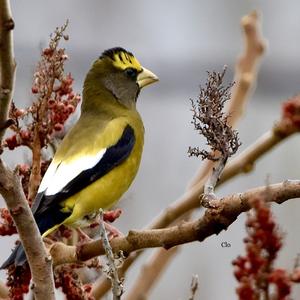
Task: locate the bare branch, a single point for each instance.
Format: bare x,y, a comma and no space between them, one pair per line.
150,273
7,64
209,188
39,261
247,65
245,161
3,291
194,287
112,272
213,222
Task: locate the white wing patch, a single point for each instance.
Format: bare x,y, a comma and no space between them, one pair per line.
47,177
59,175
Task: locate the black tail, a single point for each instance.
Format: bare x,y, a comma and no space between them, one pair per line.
17,257
45,220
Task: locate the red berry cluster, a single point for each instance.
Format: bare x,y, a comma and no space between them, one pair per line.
112,215
21,136
18,281
24,171
55,101
7,226
255,271
62,104
281,280
291,111
68,280
262,245
63,232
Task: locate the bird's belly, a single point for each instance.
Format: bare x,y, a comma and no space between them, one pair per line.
104,192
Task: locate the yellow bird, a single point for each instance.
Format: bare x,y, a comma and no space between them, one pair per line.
100,156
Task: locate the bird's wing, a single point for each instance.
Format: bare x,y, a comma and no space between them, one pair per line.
62,180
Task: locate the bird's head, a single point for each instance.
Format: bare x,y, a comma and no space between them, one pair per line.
119,74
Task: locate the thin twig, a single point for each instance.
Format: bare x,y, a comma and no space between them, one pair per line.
117,287
150,270
3,291
245,161
194,287
210,184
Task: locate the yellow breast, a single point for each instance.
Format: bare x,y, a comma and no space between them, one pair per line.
107,190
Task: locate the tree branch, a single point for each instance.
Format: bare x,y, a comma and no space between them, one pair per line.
194,287
3,291
112,272
7,64
213,222
245,161
247,65
39,261
10,187
151,271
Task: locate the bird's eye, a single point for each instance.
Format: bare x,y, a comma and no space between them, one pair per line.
131,73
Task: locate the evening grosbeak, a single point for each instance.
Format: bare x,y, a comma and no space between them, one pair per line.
99,157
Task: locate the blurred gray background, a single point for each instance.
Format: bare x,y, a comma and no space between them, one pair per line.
179,41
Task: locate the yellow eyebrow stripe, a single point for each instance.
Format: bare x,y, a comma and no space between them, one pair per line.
124,60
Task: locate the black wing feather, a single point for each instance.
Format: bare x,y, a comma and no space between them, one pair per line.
113,157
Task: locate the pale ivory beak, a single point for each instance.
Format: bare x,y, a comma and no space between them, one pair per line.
146,77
